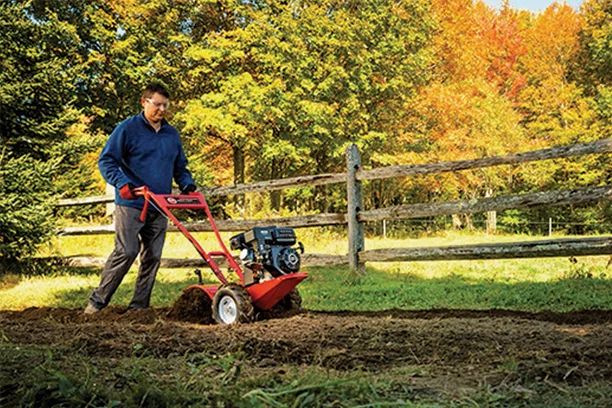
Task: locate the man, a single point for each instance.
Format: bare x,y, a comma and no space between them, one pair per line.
144,150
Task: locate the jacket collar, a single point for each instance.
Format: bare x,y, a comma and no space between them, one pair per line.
146,122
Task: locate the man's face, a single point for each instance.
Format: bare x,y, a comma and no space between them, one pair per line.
155,107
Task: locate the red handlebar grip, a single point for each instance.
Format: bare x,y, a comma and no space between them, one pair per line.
143,191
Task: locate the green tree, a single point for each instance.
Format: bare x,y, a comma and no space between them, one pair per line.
37,72
594,60
592,68
117,48
301,80
124,44
36,80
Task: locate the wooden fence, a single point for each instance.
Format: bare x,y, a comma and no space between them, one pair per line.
356,216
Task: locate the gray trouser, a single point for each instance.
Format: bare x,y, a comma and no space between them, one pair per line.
132,237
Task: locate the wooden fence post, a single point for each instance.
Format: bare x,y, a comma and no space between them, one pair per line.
355,205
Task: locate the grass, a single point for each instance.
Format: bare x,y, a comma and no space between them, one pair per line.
50,379
41,376
519,284
193,380
382,290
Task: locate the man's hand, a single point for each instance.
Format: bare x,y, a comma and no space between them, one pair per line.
127,192
189,188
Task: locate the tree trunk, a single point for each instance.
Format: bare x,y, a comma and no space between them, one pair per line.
491,217
275,200
456,221
468,222
239,175
321,201
275,196
321,196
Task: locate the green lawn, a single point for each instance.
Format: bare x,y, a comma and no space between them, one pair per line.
525,284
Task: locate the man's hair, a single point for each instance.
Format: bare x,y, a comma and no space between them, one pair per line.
153,88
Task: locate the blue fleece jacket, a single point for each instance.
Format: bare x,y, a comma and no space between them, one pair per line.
135,153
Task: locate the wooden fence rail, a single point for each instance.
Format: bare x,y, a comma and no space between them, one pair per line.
355,217
500,203
505,250
581,149
307,260
599,146
317,220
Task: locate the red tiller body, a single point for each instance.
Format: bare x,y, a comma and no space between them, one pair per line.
264,295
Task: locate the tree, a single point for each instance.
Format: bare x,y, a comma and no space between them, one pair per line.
467,109
594,59
36,89
314,76
553,107
593,62
125,44
37,71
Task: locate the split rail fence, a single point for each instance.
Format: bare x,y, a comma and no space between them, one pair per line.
356,216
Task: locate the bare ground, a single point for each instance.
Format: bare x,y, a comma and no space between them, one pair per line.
459,346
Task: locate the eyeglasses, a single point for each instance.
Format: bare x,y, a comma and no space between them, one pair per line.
158,105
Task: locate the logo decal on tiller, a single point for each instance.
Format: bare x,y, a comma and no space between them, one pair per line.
175,201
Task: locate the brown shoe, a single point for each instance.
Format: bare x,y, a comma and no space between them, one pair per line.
91,309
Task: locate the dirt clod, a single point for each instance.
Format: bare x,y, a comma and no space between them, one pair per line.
192,306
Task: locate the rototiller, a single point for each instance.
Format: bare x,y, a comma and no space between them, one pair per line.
271,263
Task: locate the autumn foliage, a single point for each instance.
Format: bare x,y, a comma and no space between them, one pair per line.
275,89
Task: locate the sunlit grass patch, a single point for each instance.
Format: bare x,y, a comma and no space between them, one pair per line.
521,284
451,287
315,240
44,291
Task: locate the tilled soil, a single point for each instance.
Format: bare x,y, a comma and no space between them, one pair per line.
570,348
